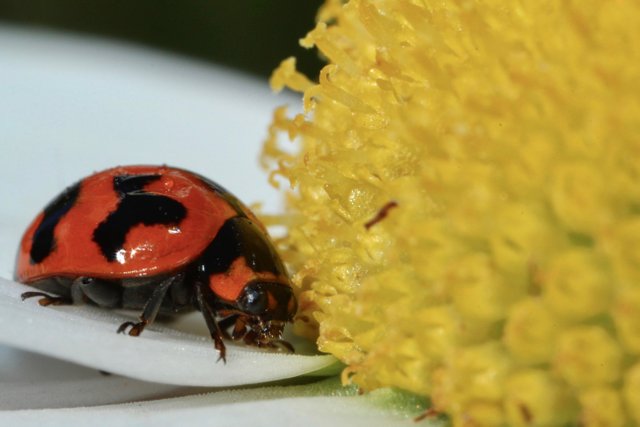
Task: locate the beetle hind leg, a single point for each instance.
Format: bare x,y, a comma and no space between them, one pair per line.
50,291
151,308
81,290
46,299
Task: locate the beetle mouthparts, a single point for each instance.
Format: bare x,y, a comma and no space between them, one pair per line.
270,330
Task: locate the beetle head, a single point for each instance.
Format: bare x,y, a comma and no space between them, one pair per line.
266,307
270,301
259,313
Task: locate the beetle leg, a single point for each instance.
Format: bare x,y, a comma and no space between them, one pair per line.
239,329
46,299
251,338
150,310
225,324
212,325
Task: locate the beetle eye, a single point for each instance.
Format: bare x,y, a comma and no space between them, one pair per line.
254,301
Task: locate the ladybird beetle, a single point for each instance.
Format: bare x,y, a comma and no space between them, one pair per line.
161,240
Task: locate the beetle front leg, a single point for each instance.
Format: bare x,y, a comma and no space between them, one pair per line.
225,324
253,339
239,329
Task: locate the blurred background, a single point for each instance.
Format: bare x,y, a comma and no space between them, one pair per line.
176,82
249,35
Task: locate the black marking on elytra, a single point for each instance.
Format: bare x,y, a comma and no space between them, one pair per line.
240,237
136,207
43,242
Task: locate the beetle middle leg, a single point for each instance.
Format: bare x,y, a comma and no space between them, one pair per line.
151,308
212,325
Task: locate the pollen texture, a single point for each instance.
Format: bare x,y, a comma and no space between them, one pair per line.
463,192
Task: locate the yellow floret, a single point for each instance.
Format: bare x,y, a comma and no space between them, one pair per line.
578,285
588,356
463,213
531,332
536,397
603,407
631,392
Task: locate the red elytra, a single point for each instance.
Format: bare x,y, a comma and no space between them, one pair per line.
149,250
120,234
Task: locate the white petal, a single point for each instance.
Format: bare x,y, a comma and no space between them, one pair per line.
324,404
32,381
87,336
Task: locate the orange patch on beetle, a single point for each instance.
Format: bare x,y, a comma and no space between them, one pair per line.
272,303
229,285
